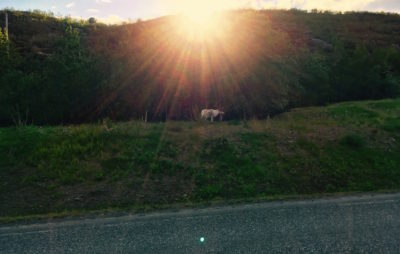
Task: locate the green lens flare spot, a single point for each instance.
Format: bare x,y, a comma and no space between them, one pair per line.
202,239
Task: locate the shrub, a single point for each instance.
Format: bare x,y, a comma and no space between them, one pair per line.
353,141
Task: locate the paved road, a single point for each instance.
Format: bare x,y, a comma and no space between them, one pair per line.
364,224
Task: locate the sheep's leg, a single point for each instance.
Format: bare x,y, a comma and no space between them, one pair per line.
212,118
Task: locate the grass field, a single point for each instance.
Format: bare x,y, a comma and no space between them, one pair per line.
353,146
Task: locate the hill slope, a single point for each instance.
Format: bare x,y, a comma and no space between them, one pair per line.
253,64
351,146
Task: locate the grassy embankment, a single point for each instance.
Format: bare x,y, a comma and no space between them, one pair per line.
352,146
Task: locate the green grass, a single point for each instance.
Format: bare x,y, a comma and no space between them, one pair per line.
345,147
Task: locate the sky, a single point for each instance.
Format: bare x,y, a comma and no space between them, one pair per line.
115,11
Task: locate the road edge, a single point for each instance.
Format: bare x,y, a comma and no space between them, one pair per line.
175,207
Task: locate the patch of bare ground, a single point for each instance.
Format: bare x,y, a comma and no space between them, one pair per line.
160,190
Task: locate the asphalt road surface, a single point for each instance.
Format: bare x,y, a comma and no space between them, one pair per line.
363,224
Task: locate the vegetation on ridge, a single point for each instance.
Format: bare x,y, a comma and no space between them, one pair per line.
259,63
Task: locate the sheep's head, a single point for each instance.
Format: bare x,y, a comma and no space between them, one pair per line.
221,115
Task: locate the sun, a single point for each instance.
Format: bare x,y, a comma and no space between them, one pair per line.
200,20
199,27
198,12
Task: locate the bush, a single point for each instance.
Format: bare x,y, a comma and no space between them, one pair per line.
353,141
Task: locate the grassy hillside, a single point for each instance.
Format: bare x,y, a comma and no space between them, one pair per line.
351,146
249,64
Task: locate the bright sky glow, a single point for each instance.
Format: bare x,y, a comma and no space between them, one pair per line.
114,11
198,11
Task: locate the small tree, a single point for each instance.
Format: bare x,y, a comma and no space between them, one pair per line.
71,79
4,46
92,20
